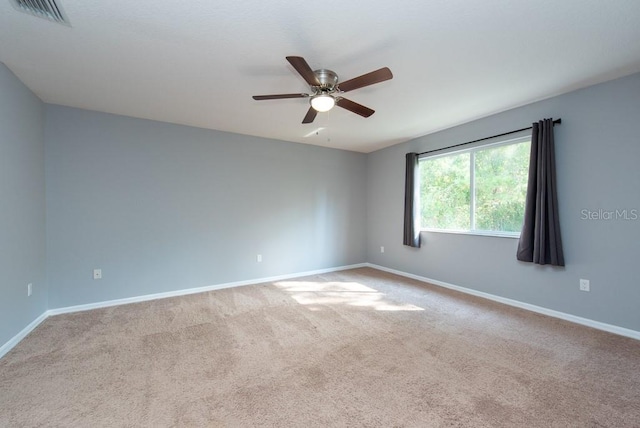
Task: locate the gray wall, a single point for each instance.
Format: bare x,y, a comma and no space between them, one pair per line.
22,197
161,207
598,156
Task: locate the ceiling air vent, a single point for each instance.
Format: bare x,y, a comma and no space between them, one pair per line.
47,9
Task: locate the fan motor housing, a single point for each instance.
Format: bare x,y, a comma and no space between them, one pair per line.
328,79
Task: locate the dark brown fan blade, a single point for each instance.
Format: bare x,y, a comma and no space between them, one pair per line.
305,71
311,115
366,79
279,96
354,107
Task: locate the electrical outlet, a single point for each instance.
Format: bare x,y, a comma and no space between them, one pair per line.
584,285
382,249
29,289
259,258
97,274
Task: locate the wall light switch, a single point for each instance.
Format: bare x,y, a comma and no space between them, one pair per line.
97,274
259,258
29,289
382,249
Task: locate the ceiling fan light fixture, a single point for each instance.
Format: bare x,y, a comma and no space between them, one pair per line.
325,92
322,102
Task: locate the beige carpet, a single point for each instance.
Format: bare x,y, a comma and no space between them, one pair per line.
346,349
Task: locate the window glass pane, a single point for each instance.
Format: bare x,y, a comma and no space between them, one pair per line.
500,187
445,192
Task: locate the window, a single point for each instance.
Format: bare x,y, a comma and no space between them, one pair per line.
479,190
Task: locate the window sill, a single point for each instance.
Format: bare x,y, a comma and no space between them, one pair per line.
511,235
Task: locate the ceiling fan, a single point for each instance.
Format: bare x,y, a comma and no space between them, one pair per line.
326,89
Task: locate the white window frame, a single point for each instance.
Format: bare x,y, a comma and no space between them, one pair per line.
472,151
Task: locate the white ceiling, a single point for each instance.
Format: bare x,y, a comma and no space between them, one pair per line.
198,63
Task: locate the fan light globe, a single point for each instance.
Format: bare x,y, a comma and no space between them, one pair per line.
322,102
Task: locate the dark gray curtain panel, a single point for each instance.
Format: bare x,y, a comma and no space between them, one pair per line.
540,240
411,202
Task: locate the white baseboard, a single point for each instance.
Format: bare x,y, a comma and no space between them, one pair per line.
533,308
78,308
25,331
184,292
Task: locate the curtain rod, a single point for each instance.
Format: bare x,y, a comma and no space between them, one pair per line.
555,122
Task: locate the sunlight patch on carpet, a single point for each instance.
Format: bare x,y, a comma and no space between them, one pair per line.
342,293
